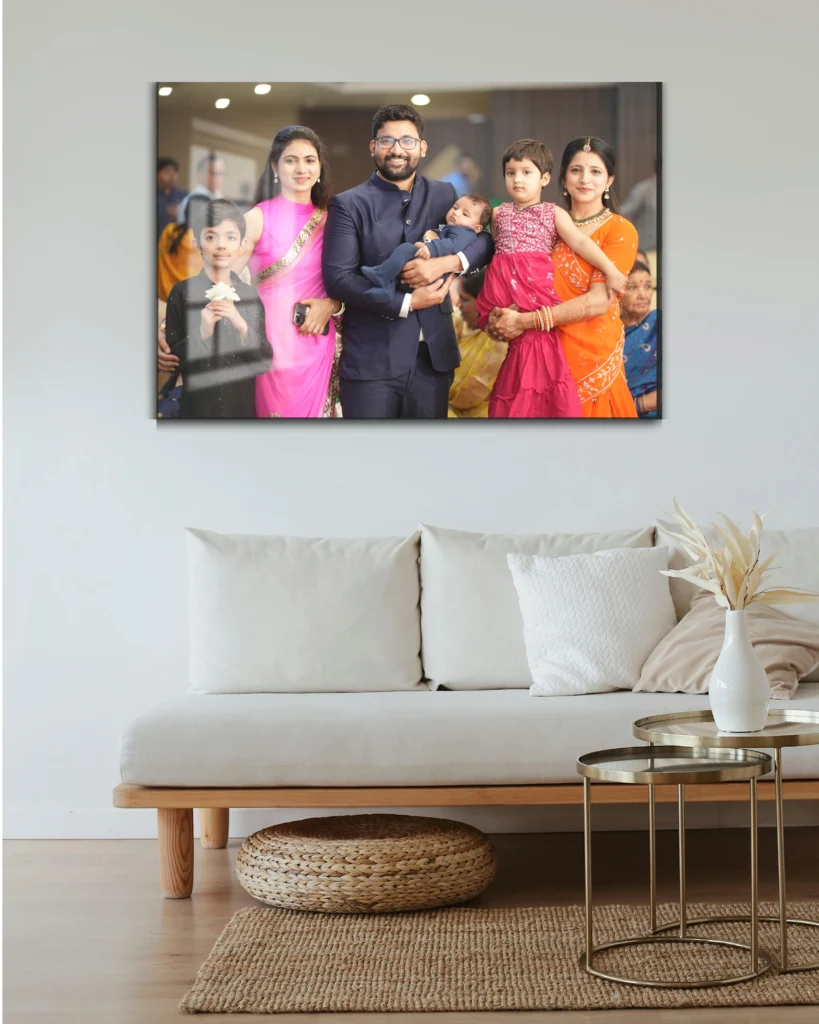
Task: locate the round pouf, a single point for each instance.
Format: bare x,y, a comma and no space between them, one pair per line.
366,863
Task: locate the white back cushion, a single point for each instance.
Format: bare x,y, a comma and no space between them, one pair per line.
470,617
296,614
797,566
591,621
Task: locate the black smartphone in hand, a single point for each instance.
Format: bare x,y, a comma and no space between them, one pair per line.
300,315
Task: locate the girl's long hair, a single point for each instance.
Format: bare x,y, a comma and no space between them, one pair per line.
268,188
606,154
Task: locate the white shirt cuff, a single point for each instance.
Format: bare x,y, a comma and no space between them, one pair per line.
464,262
405,305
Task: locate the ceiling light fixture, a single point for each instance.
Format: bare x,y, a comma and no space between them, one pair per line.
262,89
420,99
221,104
166,90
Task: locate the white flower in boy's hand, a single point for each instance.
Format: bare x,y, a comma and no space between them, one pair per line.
221,291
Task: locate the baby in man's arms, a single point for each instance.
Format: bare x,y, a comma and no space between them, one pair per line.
468,216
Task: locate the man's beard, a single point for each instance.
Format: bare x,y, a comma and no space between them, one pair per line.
406,170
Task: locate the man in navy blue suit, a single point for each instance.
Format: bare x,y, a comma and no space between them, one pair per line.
398,356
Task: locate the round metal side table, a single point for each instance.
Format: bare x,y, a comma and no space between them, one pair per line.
784,728
672,765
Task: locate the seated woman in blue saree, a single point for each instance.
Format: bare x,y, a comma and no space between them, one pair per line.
640,352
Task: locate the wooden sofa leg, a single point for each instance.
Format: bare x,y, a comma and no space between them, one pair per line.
214,823
175,851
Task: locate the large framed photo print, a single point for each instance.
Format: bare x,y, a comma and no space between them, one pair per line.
347,251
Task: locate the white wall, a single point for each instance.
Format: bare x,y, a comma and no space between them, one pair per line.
97,493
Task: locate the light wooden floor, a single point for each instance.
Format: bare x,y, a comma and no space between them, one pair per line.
89,940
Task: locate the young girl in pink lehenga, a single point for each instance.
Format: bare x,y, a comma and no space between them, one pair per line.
534,381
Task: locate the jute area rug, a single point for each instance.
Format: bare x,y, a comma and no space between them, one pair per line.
289,961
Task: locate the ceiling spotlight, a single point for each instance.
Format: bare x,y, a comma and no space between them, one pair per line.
221,104
420,99
262,89
166,90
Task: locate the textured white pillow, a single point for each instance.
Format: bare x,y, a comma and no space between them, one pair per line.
591,621
296,614
470,619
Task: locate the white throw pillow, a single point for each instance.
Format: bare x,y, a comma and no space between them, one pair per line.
296,614
470,618
591,621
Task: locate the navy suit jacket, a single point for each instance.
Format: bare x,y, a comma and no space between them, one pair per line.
364,225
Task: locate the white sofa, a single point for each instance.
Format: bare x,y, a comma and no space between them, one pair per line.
384,672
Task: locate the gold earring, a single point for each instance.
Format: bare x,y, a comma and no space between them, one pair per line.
565,193
606,194
275,178
318,180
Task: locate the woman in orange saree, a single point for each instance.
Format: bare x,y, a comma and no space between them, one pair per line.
588,318
178,258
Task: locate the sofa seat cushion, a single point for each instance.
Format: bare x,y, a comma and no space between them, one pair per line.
411,738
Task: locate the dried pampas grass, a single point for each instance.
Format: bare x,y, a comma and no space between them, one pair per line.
730,568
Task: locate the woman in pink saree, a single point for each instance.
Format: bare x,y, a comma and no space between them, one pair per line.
285,231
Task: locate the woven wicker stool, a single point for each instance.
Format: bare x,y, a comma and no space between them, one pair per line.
366,863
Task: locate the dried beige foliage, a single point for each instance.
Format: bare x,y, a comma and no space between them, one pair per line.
730,567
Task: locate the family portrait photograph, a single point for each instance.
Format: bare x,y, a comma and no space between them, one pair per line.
408,251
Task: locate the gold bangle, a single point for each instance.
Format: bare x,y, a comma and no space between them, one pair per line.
541,322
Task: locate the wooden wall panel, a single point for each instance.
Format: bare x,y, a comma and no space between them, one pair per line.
624,115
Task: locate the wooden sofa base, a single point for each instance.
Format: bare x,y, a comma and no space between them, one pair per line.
175,807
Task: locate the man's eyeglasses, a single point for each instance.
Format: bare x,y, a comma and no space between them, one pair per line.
405,142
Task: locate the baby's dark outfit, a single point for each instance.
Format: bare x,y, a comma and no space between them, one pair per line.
453,239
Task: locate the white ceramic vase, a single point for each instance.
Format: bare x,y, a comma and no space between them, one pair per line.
739,689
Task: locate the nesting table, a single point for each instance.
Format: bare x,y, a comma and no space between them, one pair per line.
680,764
696,730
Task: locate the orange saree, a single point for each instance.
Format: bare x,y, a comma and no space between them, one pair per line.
176,266
594,347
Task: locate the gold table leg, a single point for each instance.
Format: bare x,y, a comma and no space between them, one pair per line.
754,879
585,959
780,862
652,861
781,918
587,843
681,840
784,920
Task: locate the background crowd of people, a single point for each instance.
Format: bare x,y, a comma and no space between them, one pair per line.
591,322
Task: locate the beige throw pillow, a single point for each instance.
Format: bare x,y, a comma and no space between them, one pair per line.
683,660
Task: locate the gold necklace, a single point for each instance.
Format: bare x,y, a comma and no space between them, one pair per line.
594,217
